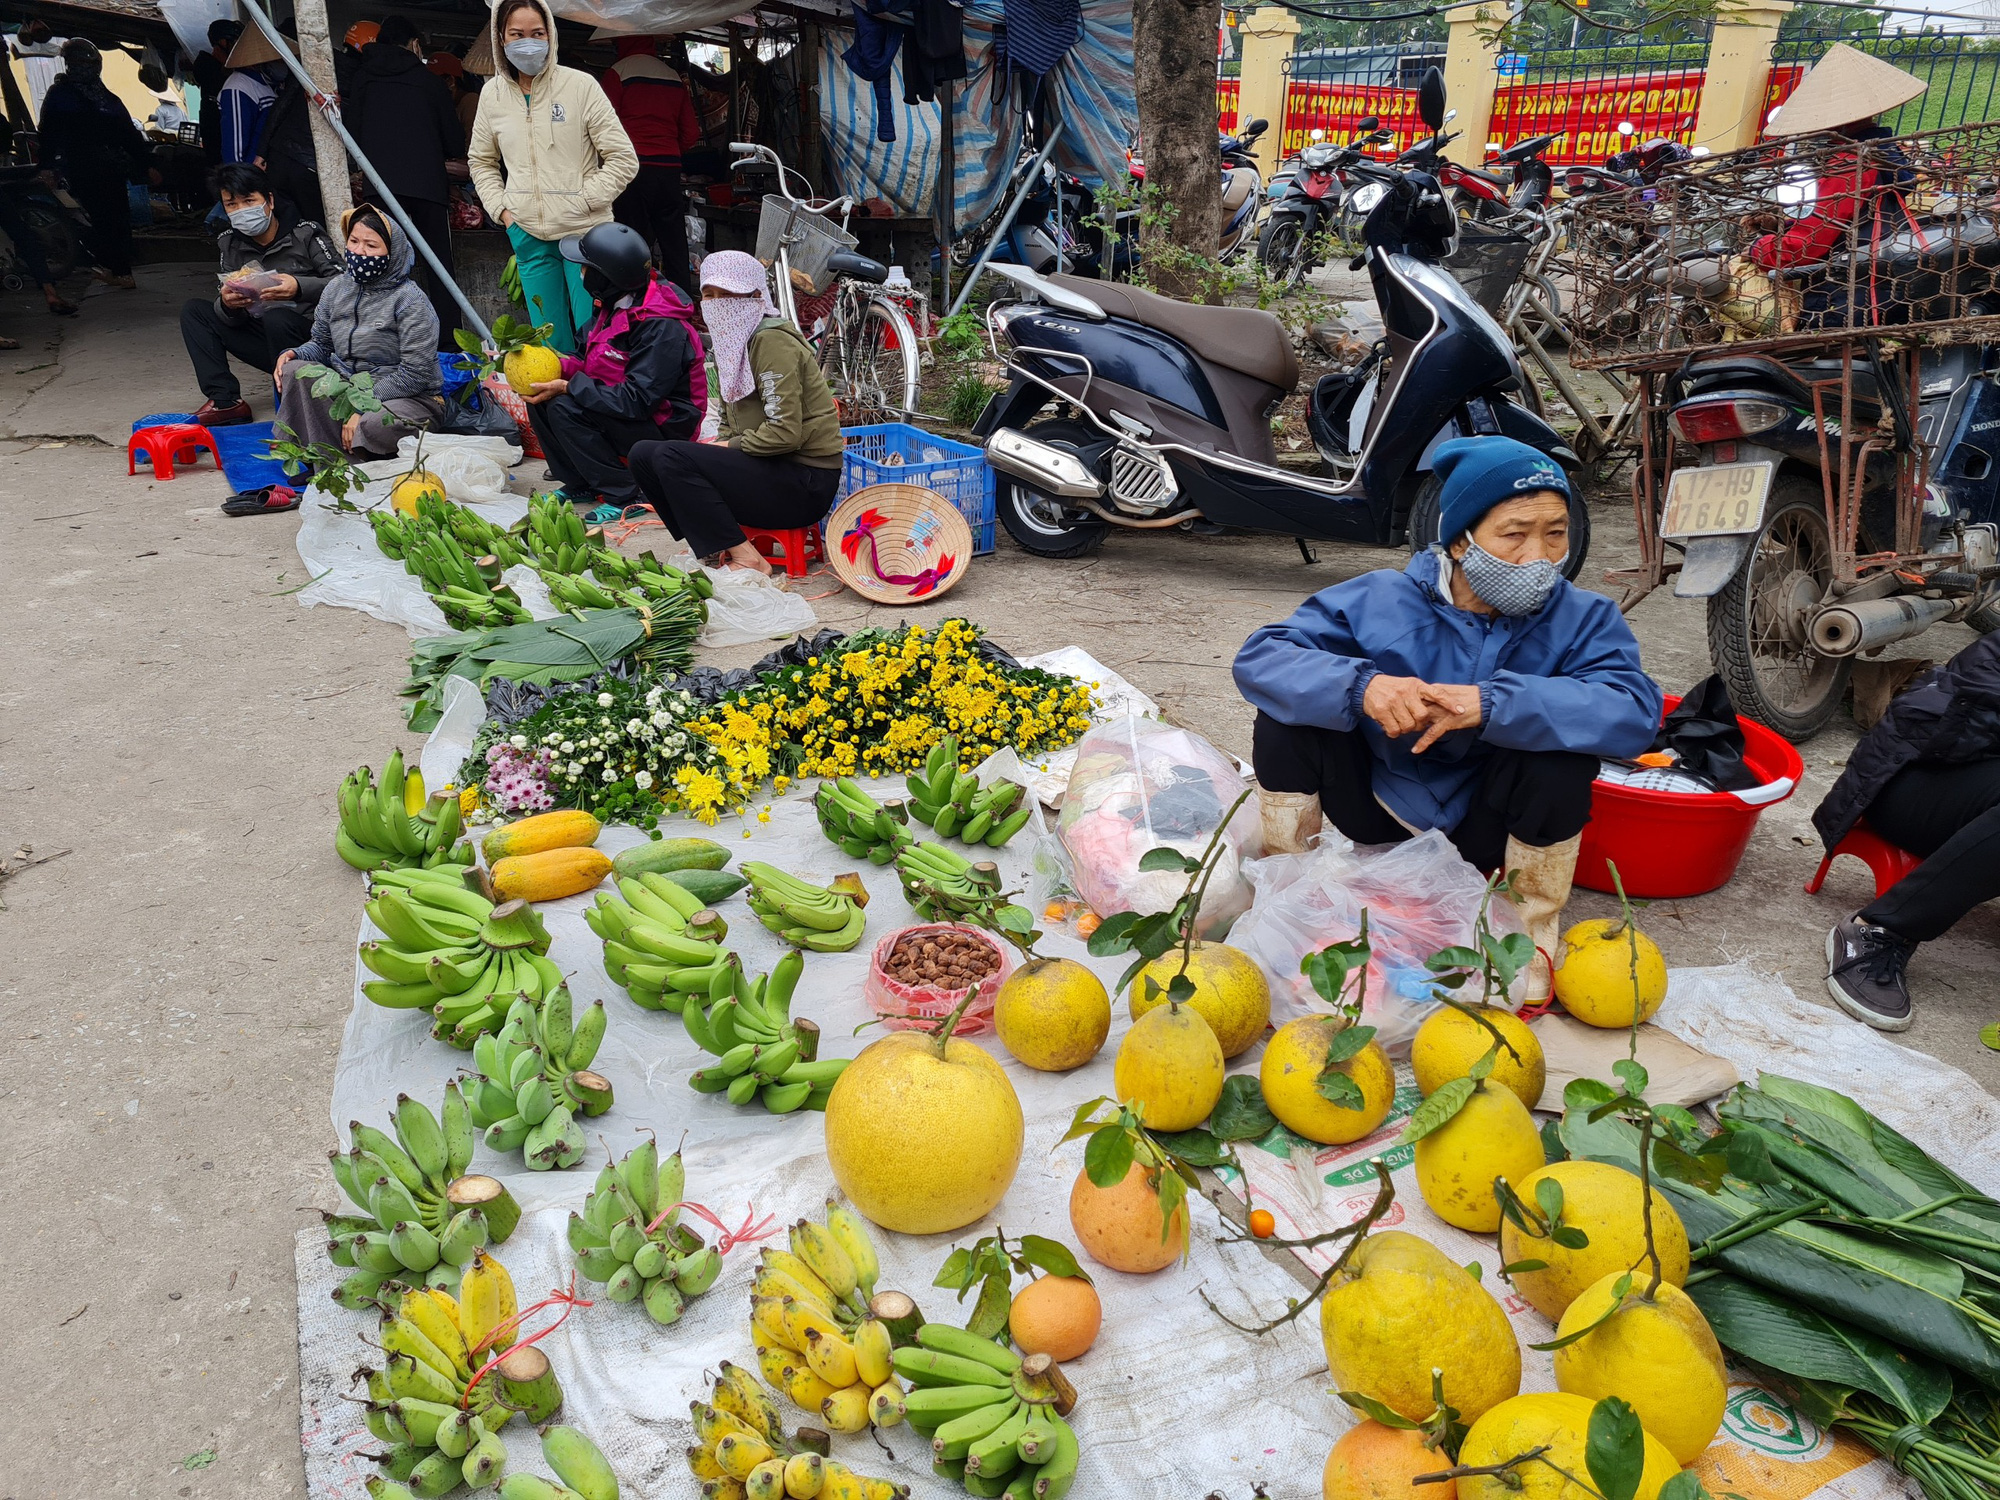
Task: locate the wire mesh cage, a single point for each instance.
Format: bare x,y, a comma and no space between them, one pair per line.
809,238
1793,243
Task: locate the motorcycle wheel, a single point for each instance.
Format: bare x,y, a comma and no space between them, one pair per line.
1756,624
1281,250
1044,524
1423,525
58,236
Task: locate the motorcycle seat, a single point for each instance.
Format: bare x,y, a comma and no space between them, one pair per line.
1521,150
857,267
1243,339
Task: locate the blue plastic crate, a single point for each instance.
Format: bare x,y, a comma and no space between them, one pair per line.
895,452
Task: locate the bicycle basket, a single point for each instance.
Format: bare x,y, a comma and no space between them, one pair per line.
1486,264
809,238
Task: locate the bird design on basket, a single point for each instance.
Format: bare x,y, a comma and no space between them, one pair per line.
864,528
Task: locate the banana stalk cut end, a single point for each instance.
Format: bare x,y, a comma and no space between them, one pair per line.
592,1090
898,1312
813,1440
1040,1379
850,886
490,1196
528,1382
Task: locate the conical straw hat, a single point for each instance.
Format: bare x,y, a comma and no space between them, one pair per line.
1844,86
898,543
251,49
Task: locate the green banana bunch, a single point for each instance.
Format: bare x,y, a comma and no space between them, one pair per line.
422,1219
458,555
660,943
803,914
761,1052
956,805
629,1236
943,886
862,827
534,1080
452,952
378,832
583,1469
995,1421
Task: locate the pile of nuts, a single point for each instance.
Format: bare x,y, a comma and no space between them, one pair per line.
952,958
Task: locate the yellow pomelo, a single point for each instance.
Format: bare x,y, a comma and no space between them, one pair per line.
1402,1307
412,487
1603,1202
1052,1014
1230,992
1561,1423
1171,1061
923,1133
526,368
1289,1077
1493,1135
1594,973
1661,1356
1450,1042
1373,1462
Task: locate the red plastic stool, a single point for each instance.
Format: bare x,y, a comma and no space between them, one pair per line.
798,548
168,446
1888,863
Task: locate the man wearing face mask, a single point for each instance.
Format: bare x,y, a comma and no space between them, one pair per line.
1473,692
255,322
639,378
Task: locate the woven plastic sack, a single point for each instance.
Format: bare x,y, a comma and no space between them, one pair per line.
1139,785
1420,896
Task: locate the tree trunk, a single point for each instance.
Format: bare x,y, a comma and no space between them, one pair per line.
316,52
1173,50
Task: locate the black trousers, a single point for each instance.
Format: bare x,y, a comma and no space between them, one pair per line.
587,450
1540,797
300,183
706,494
433,221
655,206
1949,814
257,342
110,213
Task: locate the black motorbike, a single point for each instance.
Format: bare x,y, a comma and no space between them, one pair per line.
1058,226
1297,232
1163,409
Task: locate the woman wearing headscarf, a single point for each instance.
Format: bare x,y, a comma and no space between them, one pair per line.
372,320
778,463
88,135
549,159
1473,692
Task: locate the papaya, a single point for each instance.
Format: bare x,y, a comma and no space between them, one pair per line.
567,829
549,874
668,857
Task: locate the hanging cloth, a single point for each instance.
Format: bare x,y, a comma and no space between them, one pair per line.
873,57
1040,32
936,50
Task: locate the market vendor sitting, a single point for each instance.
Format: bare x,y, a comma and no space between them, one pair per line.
639,379
1472,692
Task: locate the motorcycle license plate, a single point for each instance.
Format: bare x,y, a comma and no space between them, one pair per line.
1717,500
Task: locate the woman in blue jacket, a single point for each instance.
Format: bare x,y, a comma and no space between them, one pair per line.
1473,692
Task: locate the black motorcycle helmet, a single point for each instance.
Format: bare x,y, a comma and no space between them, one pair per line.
618,252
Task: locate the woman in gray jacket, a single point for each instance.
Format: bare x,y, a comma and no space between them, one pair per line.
374,321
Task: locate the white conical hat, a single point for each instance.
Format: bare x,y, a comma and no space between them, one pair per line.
1844,86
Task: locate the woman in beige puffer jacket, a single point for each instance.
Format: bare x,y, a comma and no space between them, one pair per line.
548,158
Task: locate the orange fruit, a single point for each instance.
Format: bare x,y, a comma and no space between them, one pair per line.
1120,1226
1263,1223
1055,1315
1373,1462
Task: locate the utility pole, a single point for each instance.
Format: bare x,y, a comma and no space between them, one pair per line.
316,52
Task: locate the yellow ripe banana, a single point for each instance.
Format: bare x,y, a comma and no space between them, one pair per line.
767,1318
712,1424
850,1232
772,1359
881,1489
800,1316
769,1281
873,1351
704,1464
738,1394
401,1336
846,1410
723,1489
485,1302
806,1390
738,1454
842,1483
440,1327
788,1264
766,1481
804,1474
446,1301
886,1406
815,1245
832,1359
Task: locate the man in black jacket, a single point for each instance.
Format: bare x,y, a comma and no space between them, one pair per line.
256,325
1927,778
402,117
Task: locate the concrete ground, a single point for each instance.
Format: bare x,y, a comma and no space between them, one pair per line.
172,730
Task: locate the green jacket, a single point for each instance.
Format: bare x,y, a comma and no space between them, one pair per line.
791,413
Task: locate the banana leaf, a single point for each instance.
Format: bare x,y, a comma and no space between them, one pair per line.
1910,1296
565,649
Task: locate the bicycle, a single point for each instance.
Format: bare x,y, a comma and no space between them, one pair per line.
867,345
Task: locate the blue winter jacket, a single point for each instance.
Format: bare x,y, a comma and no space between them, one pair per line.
1564,678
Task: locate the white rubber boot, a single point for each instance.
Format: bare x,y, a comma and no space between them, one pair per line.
1291,820
1541,890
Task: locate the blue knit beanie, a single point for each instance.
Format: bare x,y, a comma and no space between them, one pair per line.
1479,473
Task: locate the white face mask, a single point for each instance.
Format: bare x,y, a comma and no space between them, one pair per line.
528,54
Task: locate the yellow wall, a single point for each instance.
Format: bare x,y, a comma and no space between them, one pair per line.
121,76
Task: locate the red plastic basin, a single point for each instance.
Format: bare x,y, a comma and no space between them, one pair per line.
1668,844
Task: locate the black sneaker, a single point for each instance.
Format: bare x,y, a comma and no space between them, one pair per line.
1864,973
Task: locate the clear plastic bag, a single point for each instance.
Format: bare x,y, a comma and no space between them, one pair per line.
749,607
1421,896
1139,785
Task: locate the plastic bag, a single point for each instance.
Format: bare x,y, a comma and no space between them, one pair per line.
473,469
896,1002
748,607
1139,785
458,725
1421,896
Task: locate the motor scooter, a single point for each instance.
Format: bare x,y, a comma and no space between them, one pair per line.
1293,240
1163,408
1242,189
53,217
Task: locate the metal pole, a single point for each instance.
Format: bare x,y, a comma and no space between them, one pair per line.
329,108
979,266
947,187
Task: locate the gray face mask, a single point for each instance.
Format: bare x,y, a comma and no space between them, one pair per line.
1511,588
528,55
252,221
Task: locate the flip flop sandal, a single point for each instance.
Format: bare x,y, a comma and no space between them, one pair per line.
273,499
603,515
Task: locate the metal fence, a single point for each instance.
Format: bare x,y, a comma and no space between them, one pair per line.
1962,70
1331,89
1583,81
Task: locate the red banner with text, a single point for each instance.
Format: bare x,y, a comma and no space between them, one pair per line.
1338,108
1227,92
1588,111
